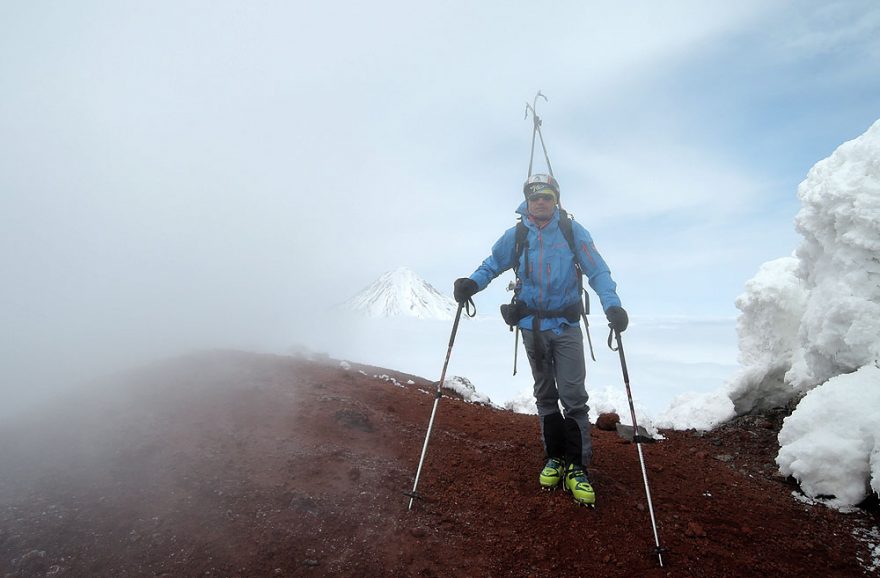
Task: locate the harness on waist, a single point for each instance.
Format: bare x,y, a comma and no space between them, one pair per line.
515,312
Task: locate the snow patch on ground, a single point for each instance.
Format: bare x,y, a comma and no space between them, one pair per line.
388,378
466,389
871,538
699,411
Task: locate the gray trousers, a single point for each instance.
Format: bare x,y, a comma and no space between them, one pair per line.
560,378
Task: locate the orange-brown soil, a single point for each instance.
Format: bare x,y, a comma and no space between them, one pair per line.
236,464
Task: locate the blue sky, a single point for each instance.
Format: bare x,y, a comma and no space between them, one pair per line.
180,174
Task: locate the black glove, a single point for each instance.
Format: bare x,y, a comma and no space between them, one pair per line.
618,320
464,289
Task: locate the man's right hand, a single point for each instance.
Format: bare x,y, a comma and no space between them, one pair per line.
463,289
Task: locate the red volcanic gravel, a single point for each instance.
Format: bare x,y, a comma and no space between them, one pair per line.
236,464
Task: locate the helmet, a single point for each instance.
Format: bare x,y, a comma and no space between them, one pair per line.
539,182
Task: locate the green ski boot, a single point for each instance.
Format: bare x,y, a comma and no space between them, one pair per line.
578,485
551,475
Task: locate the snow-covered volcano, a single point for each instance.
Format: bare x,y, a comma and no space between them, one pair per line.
402,292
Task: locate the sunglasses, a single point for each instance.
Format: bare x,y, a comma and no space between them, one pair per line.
542,197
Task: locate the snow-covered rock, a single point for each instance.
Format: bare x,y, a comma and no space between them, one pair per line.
402,293
831,443
816,315
771,307
840,223
524,402
466,389
811,326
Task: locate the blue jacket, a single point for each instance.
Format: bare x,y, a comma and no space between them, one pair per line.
552,282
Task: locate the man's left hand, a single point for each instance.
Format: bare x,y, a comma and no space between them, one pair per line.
618,320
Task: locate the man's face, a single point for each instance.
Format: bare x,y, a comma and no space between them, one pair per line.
541,205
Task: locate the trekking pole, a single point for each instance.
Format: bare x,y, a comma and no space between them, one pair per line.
414,494
638,439
515,349
515,330
584,314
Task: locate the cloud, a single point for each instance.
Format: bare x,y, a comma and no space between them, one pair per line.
831,27
175,175
641,177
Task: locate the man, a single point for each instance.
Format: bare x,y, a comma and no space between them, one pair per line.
547,307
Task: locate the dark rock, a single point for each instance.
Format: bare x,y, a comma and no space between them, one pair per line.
354,419
626,432
607,421
695,530
32,563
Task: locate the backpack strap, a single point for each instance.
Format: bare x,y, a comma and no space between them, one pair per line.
565,221
520,244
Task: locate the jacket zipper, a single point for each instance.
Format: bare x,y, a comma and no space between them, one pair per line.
540,267
548,278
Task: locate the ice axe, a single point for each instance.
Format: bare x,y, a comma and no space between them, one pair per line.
536,129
